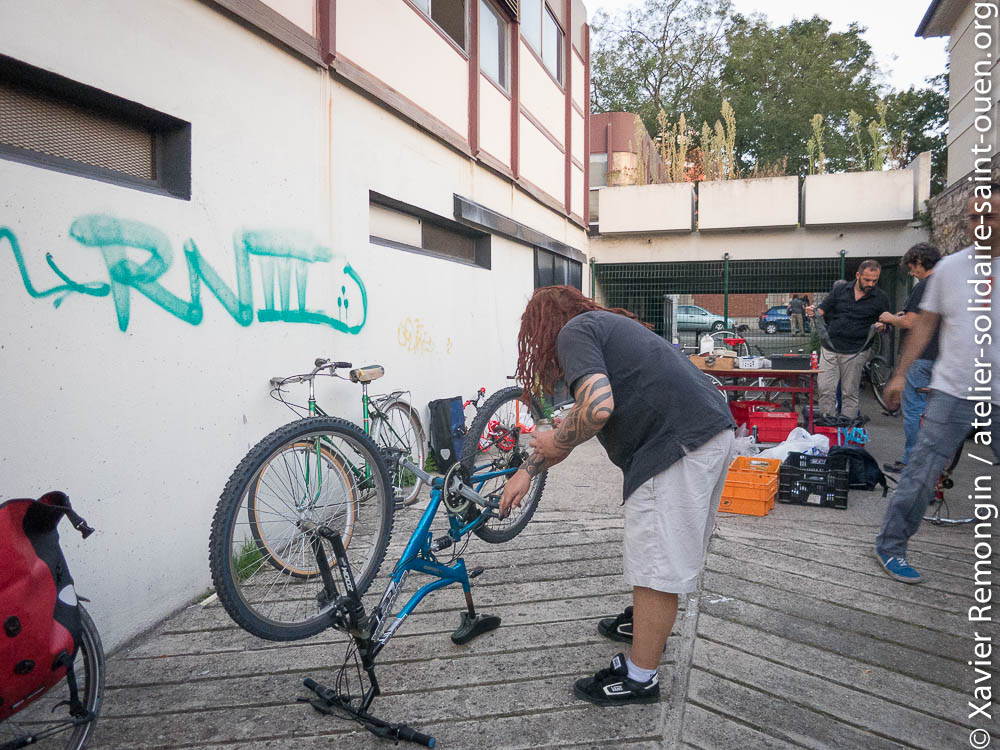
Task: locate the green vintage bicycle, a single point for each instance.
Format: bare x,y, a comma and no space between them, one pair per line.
388,419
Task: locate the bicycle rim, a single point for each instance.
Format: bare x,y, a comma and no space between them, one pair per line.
49,713
273,522
879,373
319,472
399,427
496,441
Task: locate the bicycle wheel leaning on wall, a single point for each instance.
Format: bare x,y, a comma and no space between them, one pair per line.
274,517
495,438
396,425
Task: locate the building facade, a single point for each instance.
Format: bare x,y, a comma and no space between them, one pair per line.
196,196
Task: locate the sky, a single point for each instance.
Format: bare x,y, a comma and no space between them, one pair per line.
891,27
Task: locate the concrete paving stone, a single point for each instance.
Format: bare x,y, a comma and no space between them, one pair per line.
184,668
876,604
875,582
846,618
798,629
814,554
395,678
787,720
864,710
705,730
875,680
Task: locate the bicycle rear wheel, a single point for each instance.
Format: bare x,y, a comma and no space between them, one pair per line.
398,426
495,443
48,718
318,472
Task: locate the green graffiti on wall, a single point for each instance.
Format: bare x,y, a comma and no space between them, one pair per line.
281,258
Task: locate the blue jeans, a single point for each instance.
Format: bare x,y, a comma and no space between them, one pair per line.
947,422
914,402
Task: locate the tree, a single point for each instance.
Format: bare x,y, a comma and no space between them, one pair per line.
657,57
918,119
778,78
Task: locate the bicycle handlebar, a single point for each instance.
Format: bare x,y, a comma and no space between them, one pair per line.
320,364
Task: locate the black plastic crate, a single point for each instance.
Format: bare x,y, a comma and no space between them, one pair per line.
837,462
823,481
791,361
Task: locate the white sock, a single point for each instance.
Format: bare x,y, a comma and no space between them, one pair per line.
638,673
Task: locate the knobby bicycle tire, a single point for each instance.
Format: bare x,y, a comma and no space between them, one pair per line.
274,597
496,530
51,708
413,441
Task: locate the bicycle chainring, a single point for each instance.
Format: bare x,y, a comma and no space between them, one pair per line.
453,502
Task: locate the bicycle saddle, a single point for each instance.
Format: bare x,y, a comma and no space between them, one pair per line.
366,374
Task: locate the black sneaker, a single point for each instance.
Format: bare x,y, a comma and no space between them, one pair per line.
894,468
612,686
617,628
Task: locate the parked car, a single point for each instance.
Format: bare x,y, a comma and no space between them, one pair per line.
694,318
776,319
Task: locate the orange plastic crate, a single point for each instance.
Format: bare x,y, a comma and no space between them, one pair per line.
750,485
745,507
752,463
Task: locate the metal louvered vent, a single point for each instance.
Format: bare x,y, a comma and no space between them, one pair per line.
511,7
44,124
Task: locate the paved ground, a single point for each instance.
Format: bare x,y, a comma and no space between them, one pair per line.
795,640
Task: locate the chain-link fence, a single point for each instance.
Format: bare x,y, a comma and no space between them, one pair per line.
752,296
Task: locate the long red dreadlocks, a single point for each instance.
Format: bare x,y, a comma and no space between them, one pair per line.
548,310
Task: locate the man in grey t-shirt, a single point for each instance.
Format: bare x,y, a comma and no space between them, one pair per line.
965,381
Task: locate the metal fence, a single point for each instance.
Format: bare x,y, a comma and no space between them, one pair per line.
699,296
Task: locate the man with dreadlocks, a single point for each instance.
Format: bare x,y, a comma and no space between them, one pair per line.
665,426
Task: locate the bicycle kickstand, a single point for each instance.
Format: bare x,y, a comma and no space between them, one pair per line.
473,624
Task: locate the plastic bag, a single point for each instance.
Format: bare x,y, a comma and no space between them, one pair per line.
745,446
799,441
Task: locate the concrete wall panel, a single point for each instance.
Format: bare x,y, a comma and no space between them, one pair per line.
647,208
744,204
859,197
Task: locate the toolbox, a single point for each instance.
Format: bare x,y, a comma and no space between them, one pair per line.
814,480
791,361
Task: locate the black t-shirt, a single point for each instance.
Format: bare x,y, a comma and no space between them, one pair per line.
848,319
664,405
796,307
913,306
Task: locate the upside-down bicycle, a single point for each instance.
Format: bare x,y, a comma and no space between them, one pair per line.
276,580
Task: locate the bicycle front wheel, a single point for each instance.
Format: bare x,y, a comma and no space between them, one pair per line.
495,443
48,719
879,372
398,426
316,473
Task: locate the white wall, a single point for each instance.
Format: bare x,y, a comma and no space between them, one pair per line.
141,414
859,242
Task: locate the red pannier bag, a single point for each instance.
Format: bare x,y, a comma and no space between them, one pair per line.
39,617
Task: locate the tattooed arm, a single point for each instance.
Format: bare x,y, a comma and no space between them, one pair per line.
594,404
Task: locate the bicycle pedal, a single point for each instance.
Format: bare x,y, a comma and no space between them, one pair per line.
476,572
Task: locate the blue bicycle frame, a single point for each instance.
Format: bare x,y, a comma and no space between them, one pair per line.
419,553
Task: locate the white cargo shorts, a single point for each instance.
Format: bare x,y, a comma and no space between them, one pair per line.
670,518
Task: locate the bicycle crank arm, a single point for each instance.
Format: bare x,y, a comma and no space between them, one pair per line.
417,471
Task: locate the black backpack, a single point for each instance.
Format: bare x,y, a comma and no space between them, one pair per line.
864,471
447,431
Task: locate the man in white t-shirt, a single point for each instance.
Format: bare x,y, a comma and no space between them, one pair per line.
964,382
